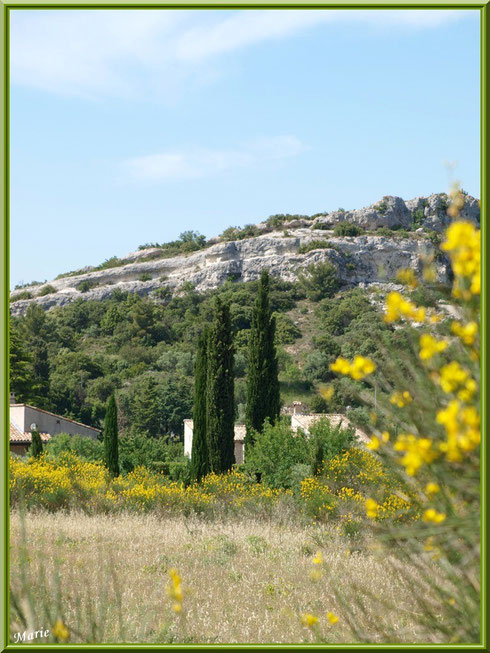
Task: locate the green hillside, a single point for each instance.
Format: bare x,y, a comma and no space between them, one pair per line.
70,359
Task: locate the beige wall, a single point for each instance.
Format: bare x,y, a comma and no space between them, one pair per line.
239,452
23,416
187,438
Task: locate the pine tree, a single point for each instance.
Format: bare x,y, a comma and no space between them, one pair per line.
220,392
111,441
200,465
263,398
37,445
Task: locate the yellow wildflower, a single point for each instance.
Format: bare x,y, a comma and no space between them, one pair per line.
407,277
60,631
431,515
318,559
397,307
463,244
401,398
452,375
372,508
308,619
358,369
374,443
417,452
429,346
332,618
385,436
341,365
432,488
361,367
467,332
327,392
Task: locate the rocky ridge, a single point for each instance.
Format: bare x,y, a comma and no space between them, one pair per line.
368,258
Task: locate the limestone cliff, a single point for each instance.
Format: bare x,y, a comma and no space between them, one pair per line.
364,259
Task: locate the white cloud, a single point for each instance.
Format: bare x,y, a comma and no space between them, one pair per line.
196,163
126,53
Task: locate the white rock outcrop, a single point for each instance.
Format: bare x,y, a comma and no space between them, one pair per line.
364,259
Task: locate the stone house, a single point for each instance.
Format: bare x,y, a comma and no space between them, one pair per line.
304,422
239,440
23,417
298,421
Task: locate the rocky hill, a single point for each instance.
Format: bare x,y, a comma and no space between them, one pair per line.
389,235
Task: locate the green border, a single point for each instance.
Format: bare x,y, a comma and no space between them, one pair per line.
5,6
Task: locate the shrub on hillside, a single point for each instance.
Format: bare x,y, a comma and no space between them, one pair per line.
347,229
46,290
319,281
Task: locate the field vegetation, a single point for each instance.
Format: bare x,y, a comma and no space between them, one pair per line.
315,538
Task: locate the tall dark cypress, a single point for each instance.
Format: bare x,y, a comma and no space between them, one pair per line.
37,445
263,397
220,392
200,465
111,438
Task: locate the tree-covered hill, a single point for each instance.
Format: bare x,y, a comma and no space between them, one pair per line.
70,359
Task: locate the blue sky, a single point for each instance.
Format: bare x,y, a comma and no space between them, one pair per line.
133,126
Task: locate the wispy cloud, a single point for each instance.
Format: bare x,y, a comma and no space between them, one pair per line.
196,163
118,53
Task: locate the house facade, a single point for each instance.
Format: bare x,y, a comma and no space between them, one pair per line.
304,422
239,440
23,417
298,422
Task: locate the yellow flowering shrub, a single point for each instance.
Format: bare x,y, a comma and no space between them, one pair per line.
431,447
340,489
72,483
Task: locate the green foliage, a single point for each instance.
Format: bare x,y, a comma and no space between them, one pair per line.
154,406
275,453
200,460
188,241
319,404
153,453
111,438
86,285
347,229
36,447
314,244
418,217
146,276
275,221
263,400
240,233
220,391
327,441
20,366
28,284
85,448
319,280
382,207
286,330
25,294
384,231
46,290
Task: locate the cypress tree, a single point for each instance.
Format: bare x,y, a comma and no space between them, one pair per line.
220,392
37,445
263,398
111,441
200,465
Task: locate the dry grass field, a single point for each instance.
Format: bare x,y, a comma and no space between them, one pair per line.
243,581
